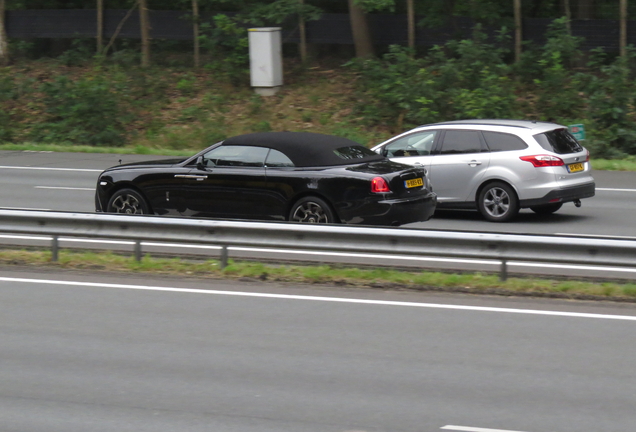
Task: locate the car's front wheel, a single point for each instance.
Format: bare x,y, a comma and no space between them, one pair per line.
311,210
498,202
127,201
546,209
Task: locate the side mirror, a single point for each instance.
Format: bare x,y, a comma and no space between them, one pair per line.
200,164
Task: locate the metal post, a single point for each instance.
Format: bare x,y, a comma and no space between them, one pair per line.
138,250
55,247
503,275
224,256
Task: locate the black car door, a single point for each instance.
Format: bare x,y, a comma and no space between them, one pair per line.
230,182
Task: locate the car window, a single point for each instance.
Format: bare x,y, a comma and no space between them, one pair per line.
276,159
354,152
498,141
415,144
239,156
559,141
460,142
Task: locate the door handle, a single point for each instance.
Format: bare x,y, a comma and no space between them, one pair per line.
191,176
474,163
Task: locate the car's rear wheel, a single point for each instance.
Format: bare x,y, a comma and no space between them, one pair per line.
127,201
311,210
547,208
498,202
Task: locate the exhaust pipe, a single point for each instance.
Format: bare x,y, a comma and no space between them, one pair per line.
577,203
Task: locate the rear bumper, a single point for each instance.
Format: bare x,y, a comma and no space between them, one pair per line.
394,212
586,190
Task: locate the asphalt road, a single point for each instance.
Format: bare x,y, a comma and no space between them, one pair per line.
66,182
88,353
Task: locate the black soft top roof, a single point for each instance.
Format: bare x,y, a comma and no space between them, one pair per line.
305,149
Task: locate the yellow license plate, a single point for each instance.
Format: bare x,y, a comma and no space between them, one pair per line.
414,183
575,167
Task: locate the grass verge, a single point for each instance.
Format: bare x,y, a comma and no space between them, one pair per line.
474,283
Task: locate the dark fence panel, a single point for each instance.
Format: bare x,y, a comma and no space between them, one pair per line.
329,29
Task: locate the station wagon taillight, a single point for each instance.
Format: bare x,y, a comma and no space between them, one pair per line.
379,185
543,160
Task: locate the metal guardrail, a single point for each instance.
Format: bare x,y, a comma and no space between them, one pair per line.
341,238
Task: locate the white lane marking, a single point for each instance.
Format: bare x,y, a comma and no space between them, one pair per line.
321,299
597,235
50,169
24,208
616,190
573,267
474,429
64,188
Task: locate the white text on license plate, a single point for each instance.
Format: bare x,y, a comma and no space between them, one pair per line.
414,183
575,167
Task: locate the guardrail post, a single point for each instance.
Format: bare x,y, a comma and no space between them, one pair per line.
55,248
224,256
503,275
138,250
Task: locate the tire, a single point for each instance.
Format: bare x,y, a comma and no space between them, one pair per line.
498,202
546,209
127,201
311,210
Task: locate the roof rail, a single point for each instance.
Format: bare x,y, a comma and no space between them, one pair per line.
524,124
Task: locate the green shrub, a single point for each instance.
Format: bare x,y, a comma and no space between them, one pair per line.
82,50
6,133
395,88
557,87
186,85
463,79
85,111
612,98
558,91
226,40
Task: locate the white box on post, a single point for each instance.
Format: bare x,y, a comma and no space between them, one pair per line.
266,60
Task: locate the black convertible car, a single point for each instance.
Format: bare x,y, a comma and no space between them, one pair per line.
284,176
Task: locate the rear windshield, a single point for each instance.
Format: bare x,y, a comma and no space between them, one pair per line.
559,141
356,152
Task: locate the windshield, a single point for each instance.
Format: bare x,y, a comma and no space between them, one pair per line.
559,141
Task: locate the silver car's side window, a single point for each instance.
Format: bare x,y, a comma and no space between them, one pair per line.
498,141
415,144
236,156
461,142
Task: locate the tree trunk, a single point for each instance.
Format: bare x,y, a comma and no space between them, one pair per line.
145,33
360,31
410,14
568,15
4,44
119,27
518,34
100,26
195,29
585,9
303,35
623,28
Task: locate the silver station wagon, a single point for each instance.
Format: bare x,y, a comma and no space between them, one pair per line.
498,166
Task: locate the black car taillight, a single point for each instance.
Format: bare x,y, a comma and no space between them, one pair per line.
379,185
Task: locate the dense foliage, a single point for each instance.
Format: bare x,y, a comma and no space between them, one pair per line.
432,11
473,79
79,98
